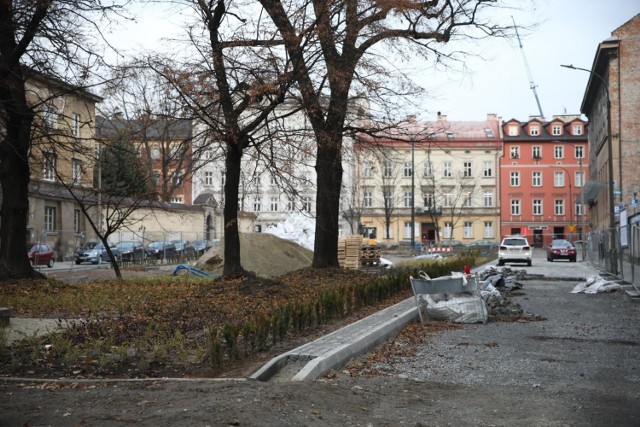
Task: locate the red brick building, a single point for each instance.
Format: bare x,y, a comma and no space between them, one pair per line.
614,81
542,172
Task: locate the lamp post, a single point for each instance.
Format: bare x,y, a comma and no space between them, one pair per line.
612,219
413,197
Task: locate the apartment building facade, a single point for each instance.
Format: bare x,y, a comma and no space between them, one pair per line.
432,181
61,160
611,102
542,172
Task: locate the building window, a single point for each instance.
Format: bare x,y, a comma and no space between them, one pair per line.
558,179
50,115
579,179
556,130
76,170
177,178
257,206
407,199
467,169
50,165
487,169
468,200
579,209
447,169
558,152
291,205
577,129
515,152
306,204
513,130
515,207
367,200
407,230
367,172
447,201
448,230
208,178
49,218
155,178
468,230
408,169
558,207
428,170
176,199
537,207
76,220
534,131
515,179
388,199
579,151
536,179
488,199
488,229
274,204
428,200
273,180
388,169
75,124
536,152
155,153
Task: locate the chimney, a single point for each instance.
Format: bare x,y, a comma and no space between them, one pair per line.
442,116
492,116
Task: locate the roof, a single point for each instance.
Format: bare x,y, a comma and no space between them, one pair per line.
150,129
440,131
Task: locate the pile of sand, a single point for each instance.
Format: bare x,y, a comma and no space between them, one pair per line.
264,254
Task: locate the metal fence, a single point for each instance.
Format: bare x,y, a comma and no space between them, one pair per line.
617,252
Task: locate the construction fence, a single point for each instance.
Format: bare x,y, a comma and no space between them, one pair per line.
616,251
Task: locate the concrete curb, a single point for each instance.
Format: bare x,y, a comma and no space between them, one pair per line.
357,338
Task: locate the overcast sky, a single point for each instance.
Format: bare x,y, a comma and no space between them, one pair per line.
569,33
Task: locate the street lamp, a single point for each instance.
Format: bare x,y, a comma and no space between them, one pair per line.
413,196
612,219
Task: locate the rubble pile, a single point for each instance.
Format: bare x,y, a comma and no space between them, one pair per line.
495,286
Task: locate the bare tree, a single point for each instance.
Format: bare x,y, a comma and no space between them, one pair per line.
335,46
50,38
232,87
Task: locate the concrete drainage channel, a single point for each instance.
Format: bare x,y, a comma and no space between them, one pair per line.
312,360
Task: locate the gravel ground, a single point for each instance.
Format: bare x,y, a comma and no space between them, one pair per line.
579,367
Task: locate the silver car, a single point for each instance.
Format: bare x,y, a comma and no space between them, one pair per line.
515,249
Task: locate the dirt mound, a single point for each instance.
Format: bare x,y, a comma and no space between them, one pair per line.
262,253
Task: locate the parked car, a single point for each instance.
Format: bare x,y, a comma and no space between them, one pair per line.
514,249
561,249
96,254
428,256
41,254
184,248
201,246
160,249
481,244
450,243
131,251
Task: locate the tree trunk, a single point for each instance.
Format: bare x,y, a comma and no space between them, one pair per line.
232,264
329,172
14,179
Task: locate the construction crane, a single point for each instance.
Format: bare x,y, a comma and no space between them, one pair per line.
532,85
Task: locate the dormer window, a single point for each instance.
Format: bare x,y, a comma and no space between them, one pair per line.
450,135
556,130
513,130
577,129
488,132
534,131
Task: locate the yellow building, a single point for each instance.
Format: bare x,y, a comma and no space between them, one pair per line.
429,182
